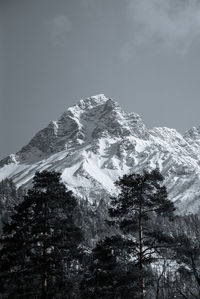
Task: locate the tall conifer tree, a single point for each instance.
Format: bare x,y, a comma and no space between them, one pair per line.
40,243
141,197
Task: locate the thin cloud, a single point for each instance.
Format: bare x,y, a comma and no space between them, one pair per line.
59,27
165,24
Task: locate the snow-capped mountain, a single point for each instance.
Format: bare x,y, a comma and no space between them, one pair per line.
95,142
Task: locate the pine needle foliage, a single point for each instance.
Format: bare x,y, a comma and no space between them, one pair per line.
40,243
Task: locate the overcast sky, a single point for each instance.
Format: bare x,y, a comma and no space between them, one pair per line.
143,53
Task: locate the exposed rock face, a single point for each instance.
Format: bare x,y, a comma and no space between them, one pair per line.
95,142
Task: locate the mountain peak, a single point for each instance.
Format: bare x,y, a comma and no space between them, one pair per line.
95,141
81,125
93,101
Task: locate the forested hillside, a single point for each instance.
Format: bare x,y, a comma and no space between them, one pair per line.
56,246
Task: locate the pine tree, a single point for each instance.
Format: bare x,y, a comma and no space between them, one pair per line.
110,273
40,243
9,196
141,197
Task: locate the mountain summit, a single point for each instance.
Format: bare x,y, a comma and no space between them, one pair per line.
95,142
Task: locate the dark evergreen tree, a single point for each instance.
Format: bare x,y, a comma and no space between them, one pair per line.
92,219
9,197
141,197
111,274
39,245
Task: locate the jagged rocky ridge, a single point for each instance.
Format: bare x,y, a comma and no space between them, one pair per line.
95,142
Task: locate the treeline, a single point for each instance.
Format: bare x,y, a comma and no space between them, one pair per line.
9,196
53,246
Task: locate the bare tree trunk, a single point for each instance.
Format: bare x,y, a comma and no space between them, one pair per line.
141,257
44,253
159,279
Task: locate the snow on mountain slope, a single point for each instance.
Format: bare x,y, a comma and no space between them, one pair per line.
95,142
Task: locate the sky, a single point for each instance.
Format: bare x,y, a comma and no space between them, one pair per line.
145,54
